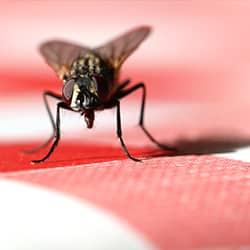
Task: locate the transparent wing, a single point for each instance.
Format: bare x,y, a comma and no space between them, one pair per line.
60,55
116,51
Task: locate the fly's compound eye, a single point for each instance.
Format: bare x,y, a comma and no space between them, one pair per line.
68,90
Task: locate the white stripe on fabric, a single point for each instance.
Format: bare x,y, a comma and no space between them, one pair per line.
35,218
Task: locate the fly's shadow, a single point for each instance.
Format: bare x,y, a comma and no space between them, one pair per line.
211,144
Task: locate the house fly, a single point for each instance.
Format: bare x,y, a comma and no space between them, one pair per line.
90,78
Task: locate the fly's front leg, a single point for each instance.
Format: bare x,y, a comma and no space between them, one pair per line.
126,92
60,105
45,144
119,132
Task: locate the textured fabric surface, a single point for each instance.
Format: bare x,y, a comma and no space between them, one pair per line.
176,202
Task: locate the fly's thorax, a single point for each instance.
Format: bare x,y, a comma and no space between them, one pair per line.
89,64
99,72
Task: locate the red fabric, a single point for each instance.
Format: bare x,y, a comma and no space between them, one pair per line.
176,202
66,154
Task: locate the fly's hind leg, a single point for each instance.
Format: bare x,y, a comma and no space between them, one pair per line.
123,85
119,133
126,92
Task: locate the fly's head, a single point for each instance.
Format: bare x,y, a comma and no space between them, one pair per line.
82,99
78,96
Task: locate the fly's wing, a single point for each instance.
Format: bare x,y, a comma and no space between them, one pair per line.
116,51
60,55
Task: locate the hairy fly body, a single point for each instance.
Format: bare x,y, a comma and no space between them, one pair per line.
91,82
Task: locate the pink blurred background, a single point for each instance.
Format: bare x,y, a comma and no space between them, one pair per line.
197,51
195,63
